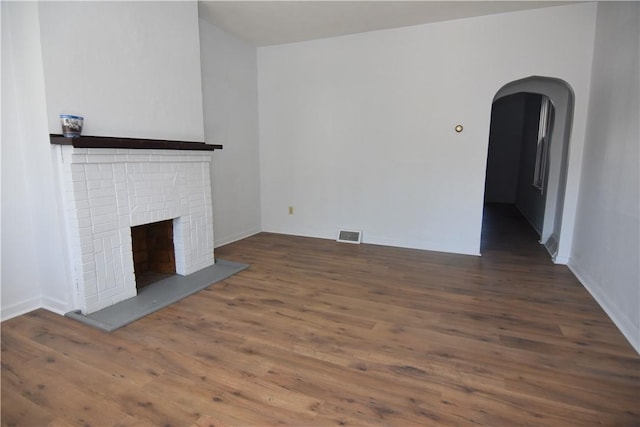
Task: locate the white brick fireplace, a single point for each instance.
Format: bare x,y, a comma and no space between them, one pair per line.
106,191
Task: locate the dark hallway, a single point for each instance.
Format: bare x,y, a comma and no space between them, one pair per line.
514,208
506,231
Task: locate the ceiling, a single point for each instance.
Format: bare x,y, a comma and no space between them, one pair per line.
264,23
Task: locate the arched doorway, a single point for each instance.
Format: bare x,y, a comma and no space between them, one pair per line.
533,91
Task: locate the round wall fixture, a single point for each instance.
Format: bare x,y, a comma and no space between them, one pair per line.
459,128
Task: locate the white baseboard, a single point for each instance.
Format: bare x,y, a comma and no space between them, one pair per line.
368,238
630,331
225,240
20,308
384,241
56,306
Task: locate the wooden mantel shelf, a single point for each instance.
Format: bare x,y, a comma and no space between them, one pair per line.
133,143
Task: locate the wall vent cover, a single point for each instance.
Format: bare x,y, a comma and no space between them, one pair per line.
349,236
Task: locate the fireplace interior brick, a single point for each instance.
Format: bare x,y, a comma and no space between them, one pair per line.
153,252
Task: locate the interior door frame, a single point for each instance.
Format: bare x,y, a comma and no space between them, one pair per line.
562,98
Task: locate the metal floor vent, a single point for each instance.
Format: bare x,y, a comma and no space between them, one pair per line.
349,236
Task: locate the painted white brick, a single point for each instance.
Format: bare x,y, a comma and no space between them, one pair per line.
89,269
84,223
103,220
93,185
100,193
104,202
105,227
92,173
98,211
82,204
92,303
101,158
80,186
91,286
137,158
88,257
77,174
108,191
79,158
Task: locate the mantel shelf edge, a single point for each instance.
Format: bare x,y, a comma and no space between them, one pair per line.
131,143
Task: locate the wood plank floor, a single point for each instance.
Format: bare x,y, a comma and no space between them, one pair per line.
318,333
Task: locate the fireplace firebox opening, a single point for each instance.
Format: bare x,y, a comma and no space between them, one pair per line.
154,256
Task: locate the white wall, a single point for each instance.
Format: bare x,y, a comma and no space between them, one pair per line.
34,268
132,69
606,252
230,95
357,131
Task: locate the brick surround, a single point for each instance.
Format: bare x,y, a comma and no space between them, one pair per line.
107,191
